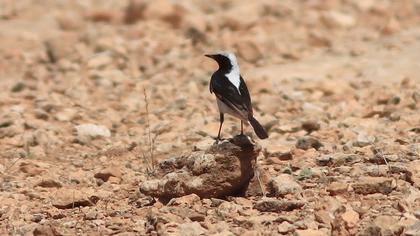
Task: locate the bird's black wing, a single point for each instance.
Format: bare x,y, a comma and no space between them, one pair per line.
245,95
229,94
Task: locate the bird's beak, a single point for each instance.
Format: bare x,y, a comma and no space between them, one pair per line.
209,55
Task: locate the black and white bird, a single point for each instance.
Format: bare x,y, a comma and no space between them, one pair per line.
231,92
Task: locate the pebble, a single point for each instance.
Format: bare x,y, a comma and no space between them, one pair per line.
370,185
275,205
65,198
105,174
308,142
86,132
284,184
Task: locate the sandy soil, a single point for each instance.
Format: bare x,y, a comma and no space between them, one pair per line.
92,90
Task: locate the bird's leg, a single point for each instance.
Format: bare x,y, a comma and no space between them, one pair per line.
222,118
242,128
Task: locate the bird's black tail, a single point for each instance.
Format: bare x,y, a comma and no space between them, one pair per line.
259,130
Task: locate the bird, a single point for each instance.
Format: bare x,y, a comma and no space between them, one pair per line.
232,95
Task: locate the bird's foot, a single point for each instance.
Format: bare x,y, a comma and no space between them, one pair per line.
218,140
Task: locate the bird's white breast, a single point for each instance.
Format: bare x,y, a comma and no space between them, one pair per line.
234,74
234,77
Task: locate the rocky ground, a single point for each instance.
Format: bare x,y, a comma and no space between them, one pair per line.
95,93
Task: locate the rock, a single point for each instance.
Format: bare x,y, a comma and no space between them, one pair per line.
86,132
185,201
192,229
248,51
319,40
228,209
45,230
338,159
310,232
61,47
364,5
99,60
350,217
382,225
222,170
37,218
392,26
308,142
284,184
336,188
69,21
369,185
49,183
324,217
66,198
203,145
413,173
17,87
413,230
311,108
338,19
107,173
285,227
134,11
275,205
280,152
363,140
91,215
310,126
31,169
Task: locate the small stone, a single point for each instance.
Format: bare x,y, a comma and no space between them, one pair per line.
363,140
417,214
284,184
249,51
49,183
91,215
31,169
324,217
69,21
275,205
337,188
392,26
204,144
18,87
192,229
66,198
85,132
310,126
316,39
285,227
338,159
107,173
350,217
227,209
134,12
99,60
370,185
338,19
308,142
185,201
6,122
40,114
37,218
45,230
310,232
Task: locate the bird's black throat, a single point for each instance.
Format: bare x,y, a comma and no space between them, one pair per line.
225,65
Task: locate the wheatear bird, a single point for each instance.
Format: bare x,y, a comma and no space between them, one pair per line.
232,94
